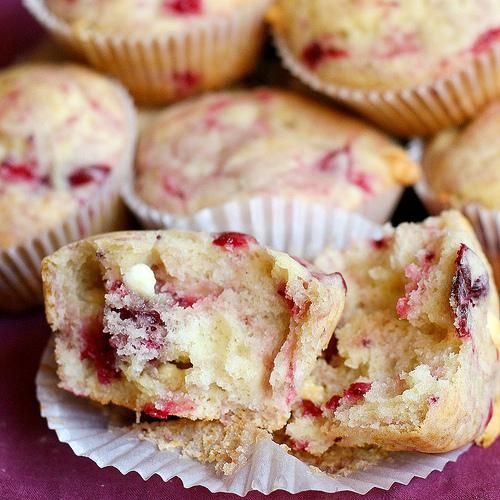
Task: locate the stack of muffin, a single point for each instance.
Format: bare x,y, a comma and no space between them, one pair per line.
420,322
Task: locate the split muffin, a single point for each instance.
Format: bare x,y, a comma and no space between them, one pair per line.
206,327
413,364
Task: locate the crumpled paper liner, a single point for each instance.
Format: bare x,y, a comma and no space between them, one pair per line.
420,110
301,229
20,281
161,67
485,221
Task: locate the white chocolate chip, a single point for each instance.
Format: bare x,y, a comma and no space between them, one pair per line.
141,280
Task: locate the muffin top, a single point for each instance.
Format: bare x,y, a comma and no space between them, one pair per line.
386,44
463,166
240,144
121,16
63,129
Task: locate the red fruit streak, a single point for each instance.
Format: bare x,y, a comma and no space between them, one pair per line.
232,240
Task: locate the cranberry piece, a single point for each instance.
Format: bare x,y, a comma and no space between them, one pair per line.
333,403
186,81
359,179
380,244
232,240
336,159
356,392
17,172
466,290
298,444
341,160
171,187
314,54
485,40
126,314
331,350
185,301
399,43
183,7
167,408
97,348
150,318
489,416
86,175
309,409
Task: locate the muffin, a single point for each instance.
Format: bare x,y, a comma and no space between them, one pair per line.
414,67
462,170
66,136
413,365
162,50
264,142
188,324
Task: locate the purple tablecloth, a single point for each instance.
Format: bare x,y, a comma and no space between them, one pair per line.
34,465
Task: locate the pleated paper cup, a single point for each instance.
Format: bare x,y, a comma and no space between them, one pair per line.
20,281
379,210
296,227
421,110
162,67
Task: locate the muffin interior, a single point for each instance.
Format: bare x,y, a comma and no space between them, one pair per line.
189,327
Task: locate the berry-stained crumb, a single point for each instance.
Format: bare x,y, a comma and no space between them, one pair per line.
233,240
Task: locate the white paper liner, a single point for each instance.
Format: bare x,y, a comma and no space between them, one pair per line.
420,110
301,229
20,281
236,215
213,51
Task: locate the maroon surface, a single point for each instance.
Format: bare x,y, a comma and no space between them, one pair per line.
34,465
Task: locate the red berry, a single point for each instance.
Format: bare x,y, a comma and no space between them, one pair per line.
166,408
97,348
466,290
233,240
186,81
333,403
298,444
485,40
86,175
331,350
18,172
314,54
309,409
356,392
183,6
171,187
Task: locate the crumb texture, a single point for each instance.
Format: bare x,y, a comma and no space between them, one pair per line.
188,324
412,364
